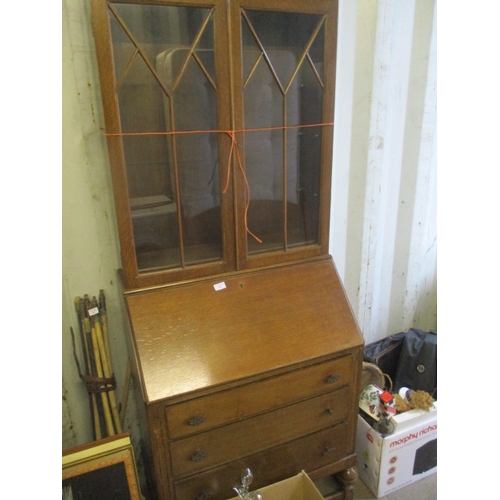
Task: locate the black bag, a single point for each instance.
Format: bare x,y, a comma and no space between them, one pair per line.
417,365
385,353
409,359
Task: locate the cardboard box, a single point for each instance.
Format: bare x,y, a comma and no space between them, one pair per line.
299,487
409,454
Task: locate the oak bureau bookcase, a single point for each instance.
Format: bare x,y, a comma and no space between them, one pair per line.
219,123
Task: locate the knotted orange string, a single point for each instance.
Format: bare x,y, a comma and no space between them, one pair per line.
234,147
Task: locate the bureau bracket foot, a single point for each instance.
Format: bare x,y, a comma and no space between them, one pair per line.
347,479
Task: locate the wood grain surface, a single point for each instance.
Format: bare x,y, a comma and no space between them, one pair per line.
192,337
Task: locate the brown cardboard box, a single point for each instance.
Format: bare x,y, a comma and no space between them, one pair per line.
299,487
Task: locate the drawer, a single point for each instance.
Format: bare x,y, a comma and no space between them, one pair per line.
212,411
218,446
308,453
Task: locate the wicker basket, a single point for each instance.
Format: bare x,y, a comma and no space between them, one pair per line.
372,374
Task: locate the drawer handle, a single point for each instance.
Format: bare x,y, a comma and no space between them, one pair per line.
328,450
332,378
198,456
197,420
329,411
203,495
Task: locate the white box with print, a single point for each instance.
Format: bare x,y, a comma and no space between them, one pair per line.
386,464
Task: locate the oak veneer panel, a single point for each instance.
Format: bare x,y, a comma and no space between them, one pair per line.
316,450
250,436
250,399
192,337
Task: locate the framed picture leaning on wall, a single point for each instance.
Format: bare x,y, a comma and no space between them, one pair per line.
101,469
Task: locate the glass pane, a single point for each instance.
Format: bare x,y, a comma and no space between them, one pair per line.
263,103
282,91
303,223
316,52
252,51
166,86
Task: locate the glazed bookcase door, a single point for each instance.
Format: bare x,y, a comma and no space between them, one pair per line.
218,117
284,68
165,84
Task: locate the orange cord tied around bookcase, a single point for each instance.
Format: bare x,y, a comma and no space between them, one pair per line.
234,148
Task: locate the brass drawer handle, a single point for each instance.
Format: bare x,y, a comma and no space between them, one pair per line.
332,378
198,456
329,450
197,420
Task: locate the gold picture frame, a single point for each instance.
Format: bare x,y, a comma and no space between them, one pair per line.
101,469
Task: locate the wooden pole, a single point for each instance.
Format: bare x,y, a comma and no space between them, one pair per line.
80,312
104,397
103,316
99,378
97,409
104,321
107,374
